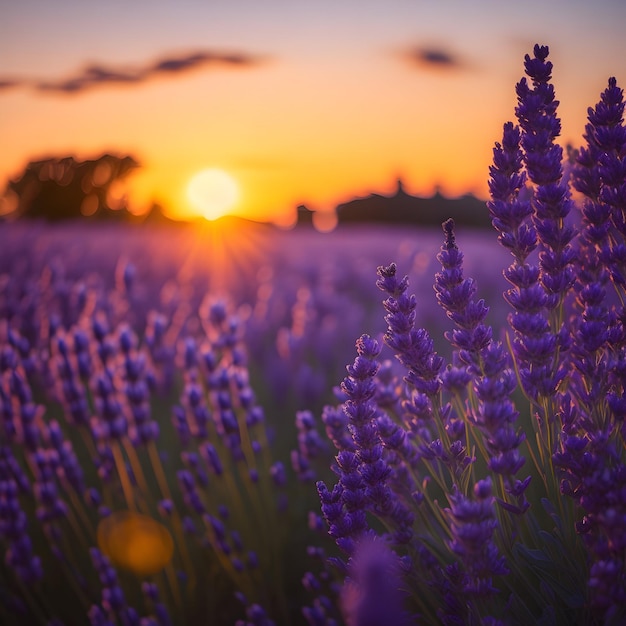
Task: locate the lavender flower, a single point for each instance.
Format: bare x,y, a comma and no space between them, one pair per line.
69,371
113,602
373,594
487,363
591,468
136,383
363,471
536,290
310,446
413,346
473,523
19,556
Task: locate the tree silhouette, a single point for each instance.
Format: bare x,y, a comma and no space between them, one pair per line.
64,188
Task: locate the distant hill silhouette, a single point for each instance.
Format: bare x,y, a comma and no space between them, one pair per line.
403,208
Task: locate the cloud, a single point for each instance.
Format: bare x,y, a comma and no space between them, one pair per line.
433,58
102,75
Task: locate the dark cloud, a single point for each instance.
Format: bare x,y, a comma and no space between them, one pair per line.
89,77
102,75
434,58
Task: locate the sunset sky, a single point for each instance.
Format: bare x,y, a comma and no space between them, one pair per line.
300,102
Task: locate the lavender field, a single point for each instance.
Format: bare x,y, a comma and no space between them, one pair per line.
365,427
146,336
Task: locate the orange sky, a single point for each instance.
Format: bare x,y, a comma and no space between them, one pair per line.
328,103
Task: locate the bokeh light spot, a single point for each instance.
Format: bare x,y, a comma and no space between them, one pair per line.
135,542
89,205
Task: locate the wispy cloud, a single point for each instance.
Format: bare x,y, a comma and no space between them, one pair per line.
430,57
100,75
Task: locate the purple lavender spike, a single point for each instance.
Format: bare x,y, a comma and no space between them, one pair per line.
374,592
535,290
414,347
310,446
29,415
113,600
473,523
536,113
135,385
19,555
487,362
72,391
591,468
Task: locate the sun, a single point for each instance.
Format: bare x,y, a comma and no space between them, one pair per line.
213,193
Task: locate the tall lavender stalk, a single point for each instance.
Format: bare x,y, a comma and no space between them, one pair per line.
491,411
538,292
590,459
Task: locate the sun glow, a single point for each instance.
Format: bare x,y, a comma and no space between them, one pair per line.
213,193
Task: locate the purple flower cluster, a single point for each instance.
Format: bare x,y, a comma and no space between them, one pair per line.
590,457
472,525
537,291
20,556
586,348
113,604
487,364
311,446
373,591
362,472
558,544
89,485
396,431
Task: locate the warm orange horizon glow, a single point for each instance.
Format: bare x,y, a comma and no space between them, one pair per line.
288,155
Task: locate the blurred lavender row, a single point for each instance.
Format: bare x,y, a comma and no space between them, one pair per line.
150,382
304,297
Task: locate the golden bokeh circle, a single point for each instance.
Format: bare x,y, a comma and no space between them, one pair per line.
135,542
